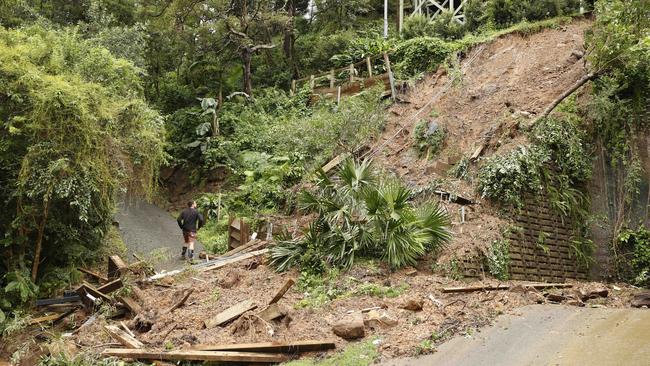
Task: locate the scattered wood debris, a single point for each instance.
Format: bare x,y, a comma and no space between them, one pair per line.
280,347
223,356
93,274
231,313
505,287
287,285
123,337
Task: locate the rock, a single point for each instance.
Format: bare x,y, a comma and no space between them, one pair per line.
350,327
574,302
555,298
535,296
599,292
580,294
641,300
229,280
166,281
431,128
376,319
413,304
518,289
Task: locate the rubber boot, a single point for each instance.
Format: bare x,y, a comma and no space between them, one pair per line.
183,252
190,254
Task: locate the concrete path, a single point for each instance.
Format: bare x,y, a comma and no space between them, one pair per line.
153,233
551,335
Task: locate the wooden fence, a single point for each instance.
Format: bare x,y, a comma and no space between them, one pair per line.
350,79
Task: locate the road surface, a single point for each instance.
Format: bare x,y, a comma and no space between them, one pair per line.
550,335
153,233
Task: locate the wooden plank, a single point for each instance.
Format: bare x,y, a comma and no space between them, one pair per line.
116,267
241,248
124,338
505,287
283,290
271,312
226,262
130,304
334,162
111,286
43,319
58,300
223,356
281,347
231,313
92,290
93,274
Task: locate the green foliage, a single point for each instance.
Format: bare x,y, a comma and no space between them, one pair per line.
362,215
498,259
558,156
372,289
635,248
214,236
76,131
418,55
426,141
319,289
84,359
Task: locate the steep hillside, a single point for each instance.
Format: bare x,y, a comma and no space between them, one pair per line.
486,100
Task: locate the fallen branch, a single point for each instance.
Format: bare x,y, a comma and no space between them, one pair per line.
564,95
181,301
504,287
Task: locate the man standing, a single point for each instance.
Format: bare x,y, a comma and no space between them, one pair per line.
190,220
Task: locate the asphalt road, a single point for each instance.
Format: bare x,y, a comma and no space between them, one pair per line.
152,233
550,335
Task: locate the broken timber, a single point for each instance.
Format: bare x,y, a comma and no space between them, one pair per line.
93,274
334,162
58,300
230,313
282,347
271,312
116,267
505,287
287,285
123,337
44,319
223,356
110,287
210,266
131,304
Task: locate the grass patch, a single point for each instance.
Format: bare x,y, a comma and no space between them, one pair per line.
371,289
358,354
214,236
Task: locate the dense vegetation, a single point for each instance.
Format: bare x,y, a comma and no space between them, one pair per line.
96,95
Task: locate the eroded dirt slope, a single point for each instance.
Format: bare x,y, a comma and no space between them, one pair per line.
495,91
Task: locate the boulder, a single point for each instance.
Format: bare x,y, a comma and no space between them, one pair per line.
413,304
376,319
350,327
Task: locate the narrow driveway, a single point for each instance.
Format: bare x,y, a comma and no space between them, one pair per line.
152,233
551,335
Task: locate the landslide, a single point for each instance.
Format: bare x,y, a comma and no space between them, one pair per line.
486,100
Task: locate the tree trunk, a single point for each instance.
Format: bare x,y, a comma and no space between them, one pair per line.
564,95
246,55
39,241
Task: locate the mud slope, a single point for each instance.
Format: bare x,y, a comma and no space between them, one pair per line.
498,87
512,78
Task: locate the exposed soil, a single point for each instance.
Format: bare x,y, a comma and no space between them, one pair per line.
217,290
504,85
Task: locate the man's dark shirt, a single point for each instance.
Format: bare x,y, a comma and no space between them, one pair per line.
189,218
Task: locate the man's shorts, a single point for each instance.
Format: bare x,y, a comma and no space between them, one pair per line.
189,236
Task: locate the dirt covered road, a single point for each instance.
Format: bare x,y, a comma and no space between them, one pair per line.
152,233
550,335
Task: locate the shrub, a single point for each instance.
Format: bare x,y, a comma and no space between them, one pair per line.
429,137
635,246
498,259
420,55
362,215
444,26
